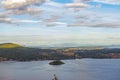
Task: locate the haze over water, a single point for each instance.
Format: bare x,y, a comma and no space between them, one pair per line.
80,69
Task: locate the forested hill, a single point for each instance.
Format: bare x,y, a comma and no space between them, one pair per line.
10,51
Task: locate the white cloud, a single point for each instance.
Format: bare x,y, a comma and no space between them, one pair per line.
52,24
114,2
15,21
77,5
26,21
5,14
53,4
27,10
55,14
6,20
13,4
106,24
96,24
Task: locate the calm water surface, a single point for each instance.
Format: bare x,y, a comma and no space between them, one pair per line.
82,69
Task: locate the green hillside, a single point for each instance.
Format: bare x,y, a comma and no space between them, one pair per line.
9,45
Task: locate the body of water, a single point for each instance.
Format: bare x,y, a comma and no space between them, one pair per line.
79,69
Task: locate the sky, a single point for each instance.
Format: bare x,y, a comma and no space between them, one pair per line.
64,23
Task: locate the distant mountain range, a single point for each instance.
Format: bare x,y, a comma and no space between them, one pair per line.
73,45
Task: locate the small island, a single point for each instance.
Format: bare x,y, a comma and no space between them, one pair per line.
57,62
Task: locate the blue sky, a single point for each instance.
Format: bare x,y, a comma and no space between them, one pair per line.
60,22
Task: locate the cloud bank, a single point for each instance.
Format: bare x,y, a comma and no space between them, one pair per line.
50,13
